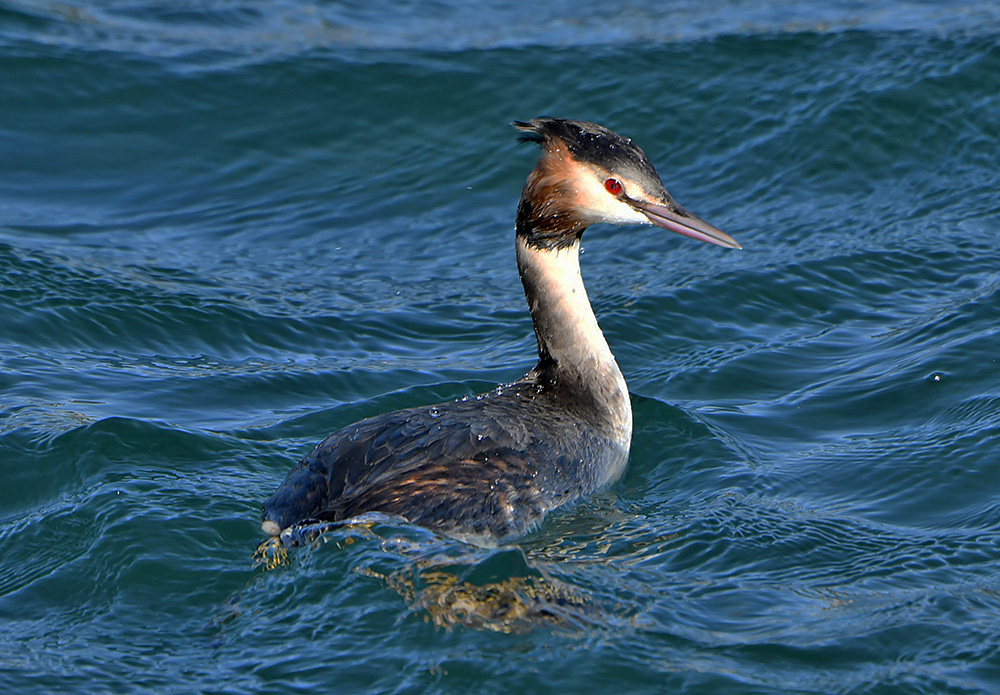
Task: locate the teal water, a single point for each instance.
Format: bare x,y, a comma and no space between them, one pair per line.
229,228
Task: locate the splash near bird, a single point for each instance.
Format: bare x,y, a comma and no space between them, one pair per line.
489,468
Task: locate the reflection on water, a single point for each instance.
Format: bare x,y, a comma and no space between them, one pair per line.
450,583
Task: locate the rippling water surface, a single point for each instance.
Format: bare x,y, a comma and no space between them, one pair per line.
229,228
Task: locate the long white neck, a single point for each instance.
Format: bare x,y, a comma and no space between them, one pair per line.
572,349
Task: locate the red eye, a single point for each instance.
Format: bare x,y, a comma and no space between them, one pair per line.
614,187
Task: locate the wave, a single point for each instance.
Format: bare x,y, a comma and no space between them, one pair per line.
219,31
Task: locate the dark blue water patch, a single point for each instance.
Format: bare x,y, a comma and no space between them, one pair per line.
59,300
120,522
210,35
286,168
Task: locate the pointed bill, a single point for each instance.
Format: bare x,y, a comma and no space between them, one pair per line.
677,219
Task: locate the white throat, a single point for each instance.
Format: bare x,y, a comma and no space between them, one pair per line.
567,329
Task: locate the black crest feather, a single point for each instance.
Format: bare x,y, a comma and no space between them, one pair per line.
590,142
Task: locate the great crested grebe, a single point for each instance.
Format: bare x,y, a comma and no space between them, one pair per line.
489,468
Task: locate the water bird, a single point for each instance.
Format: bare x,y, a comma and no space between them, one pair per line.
488,468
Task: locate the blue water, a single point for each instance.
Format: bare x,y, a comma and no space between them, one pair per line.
229,228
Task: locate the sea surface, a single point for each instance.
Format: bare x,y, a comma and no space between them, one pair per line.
230,227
